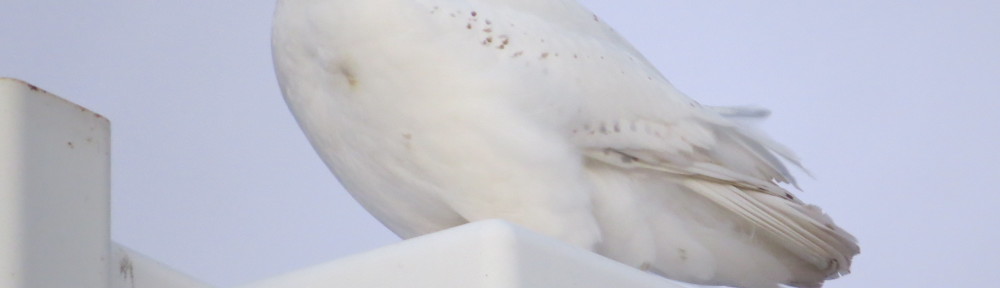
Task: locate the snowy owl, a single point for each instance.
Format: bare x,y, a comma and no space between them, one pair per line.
436,113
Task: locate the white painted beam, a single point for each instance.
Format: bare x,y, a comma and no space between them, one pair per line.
486,254
54,191
132,269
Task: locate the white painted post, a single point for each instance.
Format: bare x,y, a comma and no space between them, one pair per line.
54,191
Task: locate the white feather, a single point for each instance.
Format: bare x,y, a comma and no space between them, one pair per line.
434,113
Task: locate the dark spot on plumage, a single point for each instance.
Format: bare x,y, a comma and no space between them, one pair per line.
628,159
474,14
348,74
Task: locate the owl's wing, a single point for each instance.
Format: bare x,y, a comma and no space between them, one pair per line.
731,165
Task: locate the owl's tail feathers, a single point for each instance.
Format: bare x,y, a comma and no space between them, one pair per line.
801,228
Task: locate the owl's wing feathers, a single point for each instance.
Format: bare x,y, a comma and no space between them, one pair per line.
728,163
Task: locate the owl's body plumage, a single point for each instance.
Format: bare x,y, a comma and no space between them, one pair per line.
435,113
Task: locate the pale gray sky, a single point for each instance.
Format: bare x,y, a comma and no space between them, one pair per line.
892,104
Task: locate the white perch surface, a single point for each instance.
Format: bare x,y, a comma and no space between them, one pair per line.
485,254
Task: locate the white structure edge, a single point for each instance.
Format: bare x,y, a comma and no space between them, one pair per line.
130,269
485,254
54,191
55,184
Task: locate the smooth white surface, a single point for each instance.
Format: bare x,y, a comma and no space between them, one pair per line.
131,269
890,104
54,191
485,254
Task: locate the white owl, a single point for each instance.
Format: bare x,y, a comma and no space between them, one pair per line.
435,113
